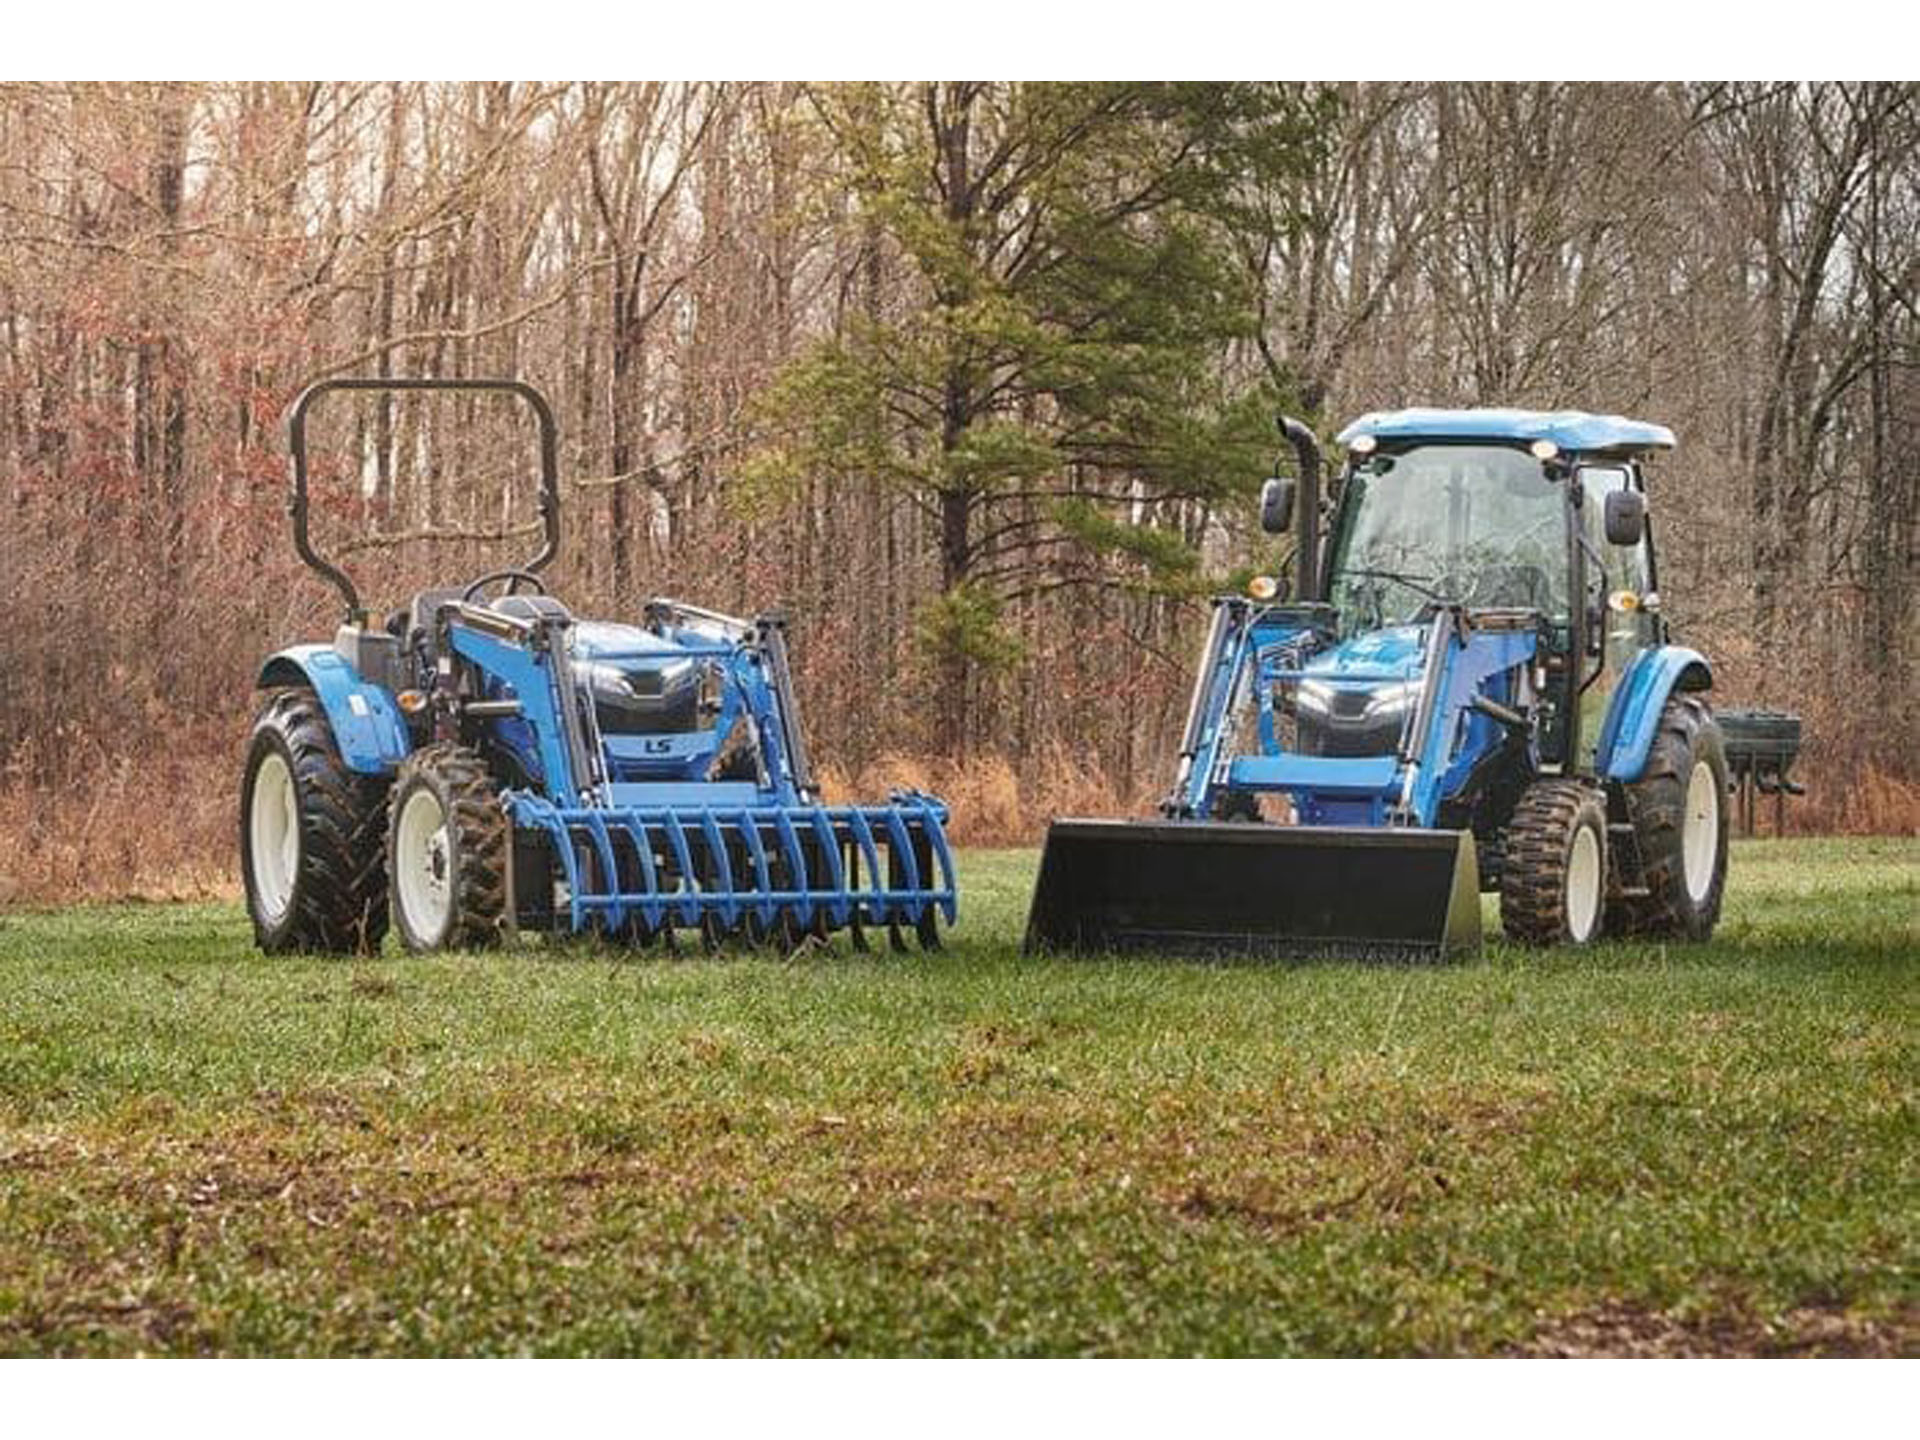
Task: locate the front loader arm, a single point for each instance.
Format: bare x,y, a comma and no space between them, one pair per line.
1242,637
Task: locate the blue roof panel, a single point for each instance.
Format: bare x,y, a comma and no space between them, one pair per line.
1572,430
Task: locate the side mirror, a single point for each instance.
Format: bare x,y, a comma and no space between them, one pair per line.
1626,514
1276,505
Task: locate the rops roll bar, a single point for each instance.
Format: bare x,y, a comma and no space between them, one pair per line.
297,441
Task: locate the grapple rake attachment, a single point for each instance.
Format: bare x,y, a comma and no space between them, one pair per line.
770,873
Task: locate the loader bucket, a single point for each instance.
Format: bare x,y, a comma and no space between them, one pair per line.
1227,889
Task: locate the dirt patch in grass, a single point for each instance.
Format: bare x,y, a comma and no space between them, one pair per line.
1617,1329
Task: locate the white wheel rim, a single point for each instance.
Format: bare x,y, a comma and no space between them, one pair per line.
1583,885
1700,832
273,836
423,866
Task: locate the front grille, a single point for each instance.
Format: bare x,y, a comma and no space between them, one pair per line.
1330,737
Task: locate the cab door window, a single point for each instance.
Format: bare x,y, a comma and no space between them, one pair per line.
1616,595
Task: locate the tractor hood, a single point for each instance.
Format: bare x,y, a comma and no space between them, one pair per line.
1354,699
592,638
642,683
1395,654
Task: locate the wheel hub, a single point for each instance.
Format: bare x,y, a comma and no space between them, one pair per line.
273,837
1700,832
423,866
1583,886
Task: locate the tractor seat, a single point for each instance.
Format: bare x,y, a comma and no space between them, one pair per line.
419,615
412,625
532,607
416,617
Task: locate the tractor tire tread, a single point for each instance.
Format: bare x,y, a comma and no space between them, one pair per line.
1533,859
482,840
339,903
1656,807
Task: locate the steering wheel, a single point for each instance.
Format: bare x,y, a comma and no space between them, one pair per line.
513,579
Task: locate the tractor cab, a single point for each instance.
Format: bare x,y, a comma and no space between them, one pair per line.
1476,525
1502,511
1471,669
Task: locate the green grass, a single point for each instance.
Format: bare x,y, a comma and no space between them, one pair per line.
573,1150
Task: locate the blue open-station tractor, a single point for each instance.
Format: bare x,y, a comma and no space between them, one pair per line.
1472,688
480,760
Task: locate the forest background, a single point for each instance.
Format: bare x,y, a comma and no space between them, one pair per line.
975,380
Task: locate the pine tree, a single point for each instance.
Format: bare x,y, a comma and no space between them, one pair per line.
1063,373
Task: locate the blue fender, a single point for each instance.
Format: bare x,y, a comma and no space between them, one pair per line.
1633,715
367,725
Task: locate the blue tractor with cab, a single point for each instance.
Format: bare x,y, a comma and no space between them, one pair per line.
481,760
1472,687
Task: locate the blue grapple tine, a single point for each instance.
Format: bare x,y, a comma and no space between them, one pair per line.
876,898
800,879
688,904
762,908
942,857
840,907
729,904
610,899
909,865
652,907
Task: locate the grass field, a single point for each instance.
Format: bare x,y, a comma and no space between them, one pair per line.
1629,1150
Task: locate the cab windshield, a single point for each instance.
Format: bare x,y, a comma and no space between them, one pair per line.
1478,525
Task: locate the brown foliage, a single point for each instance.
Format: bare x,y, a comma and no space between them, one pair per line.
177,260
162,825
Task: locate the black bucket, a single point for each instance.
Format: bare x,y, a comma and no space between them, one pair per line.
1227,889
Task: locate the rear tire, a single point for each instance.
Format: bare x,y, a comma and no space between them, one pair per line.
312,835
448,839
1679,812
1553,878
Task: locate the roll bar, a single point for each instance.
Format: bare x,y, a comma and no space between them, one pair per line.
297,442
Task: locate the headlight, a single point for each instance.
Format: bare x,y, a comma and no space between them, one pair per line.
1316,697
1313,695
1388,698
639,681
607,680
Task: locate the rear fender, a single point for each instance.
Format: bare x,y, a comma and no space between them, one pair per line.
367,725
1633,715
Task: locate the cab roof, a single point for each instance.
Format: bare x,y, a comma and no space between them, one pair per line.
1574,431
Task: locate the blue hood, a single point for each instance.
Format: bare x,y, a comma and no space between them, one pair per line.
1394,654
607,637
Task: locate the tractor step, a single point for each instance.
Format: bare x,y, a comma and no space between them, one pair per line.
1228,889
1624,841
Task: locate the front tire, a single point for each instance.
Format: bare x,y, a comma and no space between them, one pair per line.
447,840
1553,877
1679,812
312,848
